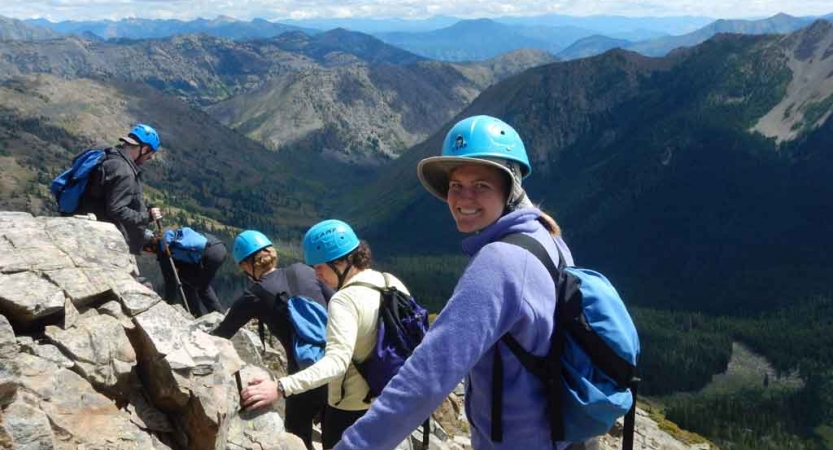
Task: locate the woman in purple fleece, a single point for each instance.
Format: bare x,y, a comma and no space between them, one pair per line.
504,289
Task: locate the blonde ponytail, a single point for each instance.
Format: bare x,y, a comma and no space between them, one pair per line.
265,260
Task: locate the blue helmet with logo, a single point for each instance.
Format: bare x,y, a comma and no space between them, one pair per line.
328,241
143,134
248,243
477,139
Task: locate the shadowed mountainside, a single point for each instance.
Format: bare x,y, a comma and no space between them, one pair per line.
652,160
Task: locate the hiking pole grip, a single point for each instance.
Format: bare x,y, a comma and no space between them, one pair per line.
173,266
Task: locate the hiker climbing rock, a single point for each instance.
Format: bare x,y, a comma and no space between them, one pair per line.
341,261
268,299
195,257
504,291
107,183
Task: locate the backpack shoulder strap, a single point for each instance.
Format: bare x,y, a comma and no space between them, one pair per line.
532,245
542,368
367,285
259,291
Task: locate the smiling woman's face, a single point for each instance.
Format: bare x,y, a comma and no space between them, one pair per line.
476,196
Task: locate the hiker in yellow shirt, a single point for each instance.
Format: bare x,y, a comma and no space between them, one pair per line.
341,261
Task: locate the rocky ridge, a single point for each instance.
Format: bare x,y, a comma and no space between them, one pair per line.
91,358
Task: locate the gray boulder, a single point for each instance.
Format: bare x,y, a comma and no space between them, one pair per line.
91,358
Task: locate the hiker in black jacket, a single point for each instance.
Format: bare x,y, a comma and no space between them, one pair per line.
114,193
195,276
256,256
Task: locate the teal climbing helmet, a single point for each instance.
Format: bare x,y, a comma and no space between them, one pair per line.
477,139
328,241
143,134
248,243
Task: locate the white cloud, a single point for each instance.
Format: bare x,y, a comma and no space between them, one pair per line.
300,9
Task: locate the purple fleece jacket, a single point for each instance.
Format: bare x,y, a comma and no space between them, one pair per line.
503,289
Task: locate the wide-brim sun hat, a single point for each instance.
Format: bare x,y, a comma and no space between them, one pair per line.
482,140
434,172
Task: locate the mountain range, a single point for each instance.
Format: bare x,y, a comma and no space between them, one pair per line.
625,147
473,40
778,24
450,39
13,29
227,27
611,136
674,165
134,28
364,113
660,46
698,182
342,93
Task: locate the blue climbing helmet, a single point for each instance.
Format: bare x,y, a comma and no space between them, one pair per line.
328,241
247,243
477,139
143,134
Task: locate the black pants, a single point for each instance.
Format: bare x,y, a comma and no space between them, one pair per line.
196,280
336,422
301,409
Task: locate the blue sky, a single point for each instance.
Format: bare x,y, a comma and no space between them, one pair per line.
300,9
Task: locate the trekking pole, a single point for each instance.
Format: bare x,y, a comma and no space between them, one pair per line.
173,266
630,418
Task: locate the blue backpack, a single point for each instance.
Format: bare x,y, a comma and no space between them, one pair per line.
589,373
309,324
69,186
186,245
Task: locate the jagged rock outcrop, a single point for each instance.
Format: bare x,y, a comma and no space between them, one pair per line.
91,358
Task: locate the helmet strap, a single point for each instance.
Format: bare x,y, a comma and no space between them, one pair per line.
342,275
250,262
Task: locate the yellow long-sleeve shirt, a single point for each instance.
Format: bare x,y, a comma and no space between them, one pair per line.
351,335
